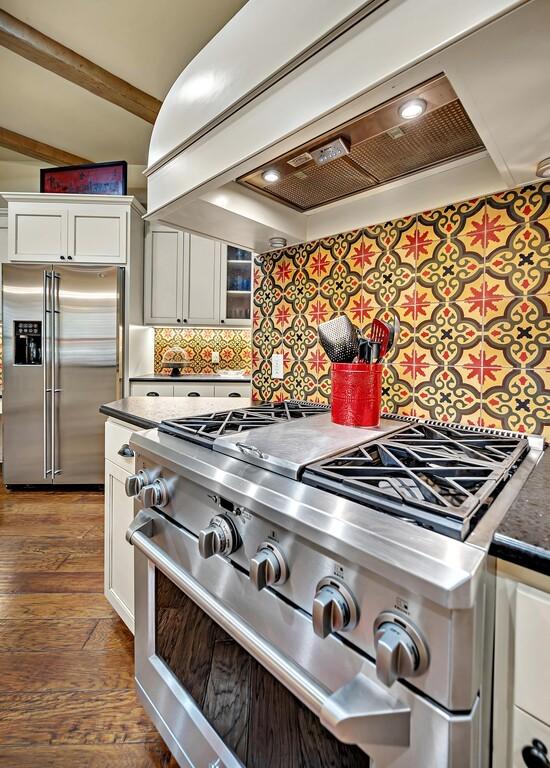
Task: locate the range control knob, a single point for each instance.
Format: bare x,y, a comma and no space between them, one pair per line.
154,494
400,648
220,538
334,608
135,483
268,566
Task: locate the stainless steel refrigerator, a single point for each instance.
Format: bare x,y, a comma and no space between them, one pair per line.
62,330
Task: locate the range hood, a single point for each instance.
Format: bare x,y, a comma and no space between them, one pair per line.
288,123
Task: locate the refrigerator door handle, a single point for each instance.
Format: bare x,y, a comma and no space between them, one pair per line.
46,311
56,279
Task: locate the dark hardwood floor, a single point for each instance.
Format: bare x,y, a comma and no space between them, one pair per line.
66,660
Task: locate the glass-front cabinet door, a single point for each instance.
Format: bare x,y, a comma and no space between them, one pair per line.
236,285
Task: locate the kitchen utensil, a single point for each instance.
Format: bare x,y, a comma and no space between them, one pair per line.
363,350
380,331
339,339
374,352
394,333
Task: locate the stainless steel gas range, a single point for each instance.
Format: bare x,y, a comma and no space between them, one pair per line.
313,595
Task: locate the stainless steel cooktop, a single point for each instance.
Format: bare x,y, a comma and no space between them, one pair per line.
440,476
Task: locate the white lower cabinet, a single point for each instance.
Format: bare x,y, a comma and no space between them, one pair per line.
521,694
119,513
192,389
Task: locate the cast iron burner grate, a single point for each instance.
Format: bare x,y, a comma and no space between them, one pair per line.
439,477
205,429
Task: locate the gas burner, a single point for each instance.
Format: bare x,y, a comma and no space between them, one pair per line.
440,477
205,429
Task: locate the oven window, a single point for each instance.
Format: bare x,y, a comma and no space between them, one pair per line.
264,724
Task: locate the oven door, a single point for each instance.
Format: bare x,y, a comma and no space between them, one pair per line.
233,677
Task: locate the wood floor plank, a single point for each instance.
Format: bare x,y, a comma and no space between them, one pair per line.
21,562
48,545
14,523
71,670
85,561
73,717
46,635
24,583
110,634
106,756
55,606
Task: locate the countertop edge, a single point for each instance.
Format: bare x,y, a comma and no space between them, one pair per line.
129,418
520,553
205,377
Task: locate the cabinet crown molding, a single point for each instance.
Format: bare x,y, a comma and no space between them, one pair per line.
57,199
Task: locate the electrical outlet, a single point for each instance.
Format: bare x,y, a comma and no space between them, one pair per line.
276,366
215,356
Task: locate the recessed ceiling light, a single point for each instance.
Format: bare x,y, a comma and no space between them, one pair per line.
543,168
271,175
412,108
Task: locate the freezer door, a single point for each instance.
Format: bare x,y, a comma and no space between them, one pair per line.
85,370
26,399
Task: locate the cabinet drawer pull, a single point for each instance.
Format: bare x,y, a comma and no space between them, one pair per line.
194,394
234,394
126,451
535,755
152,394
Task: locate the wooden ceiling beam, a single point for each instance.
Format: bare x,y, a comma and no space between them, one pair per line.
37,149
48,53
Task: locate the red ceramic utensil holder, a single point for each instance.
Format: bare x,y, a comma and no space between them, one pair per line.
356,394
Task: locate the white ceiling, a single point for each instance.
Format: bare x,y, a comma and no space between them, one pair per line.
146,43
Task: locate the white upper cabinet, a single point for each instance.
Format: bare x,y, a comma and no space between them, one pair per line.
202,280
86,229
195,281
36,233
163,284
97,234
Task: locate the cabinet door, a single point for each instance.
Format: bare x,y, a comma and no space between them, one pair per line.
193,390
97,234
163,288
202,280
236,285
153,389
119,555
532,652
36,232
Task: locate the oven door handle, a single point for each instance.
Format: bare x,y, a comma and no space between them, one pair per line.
361,712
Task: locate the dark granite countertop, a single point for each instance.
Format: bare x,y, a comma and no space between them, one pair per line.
206,377
523,537
148,412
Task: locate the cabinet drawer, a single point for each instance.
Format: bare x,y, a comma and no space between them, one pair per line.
154,389
117,438
525,730
232,390
532,652
193,390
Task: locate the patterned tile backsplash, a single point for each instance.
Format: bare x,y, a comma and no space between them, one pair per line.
199,343
471,285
